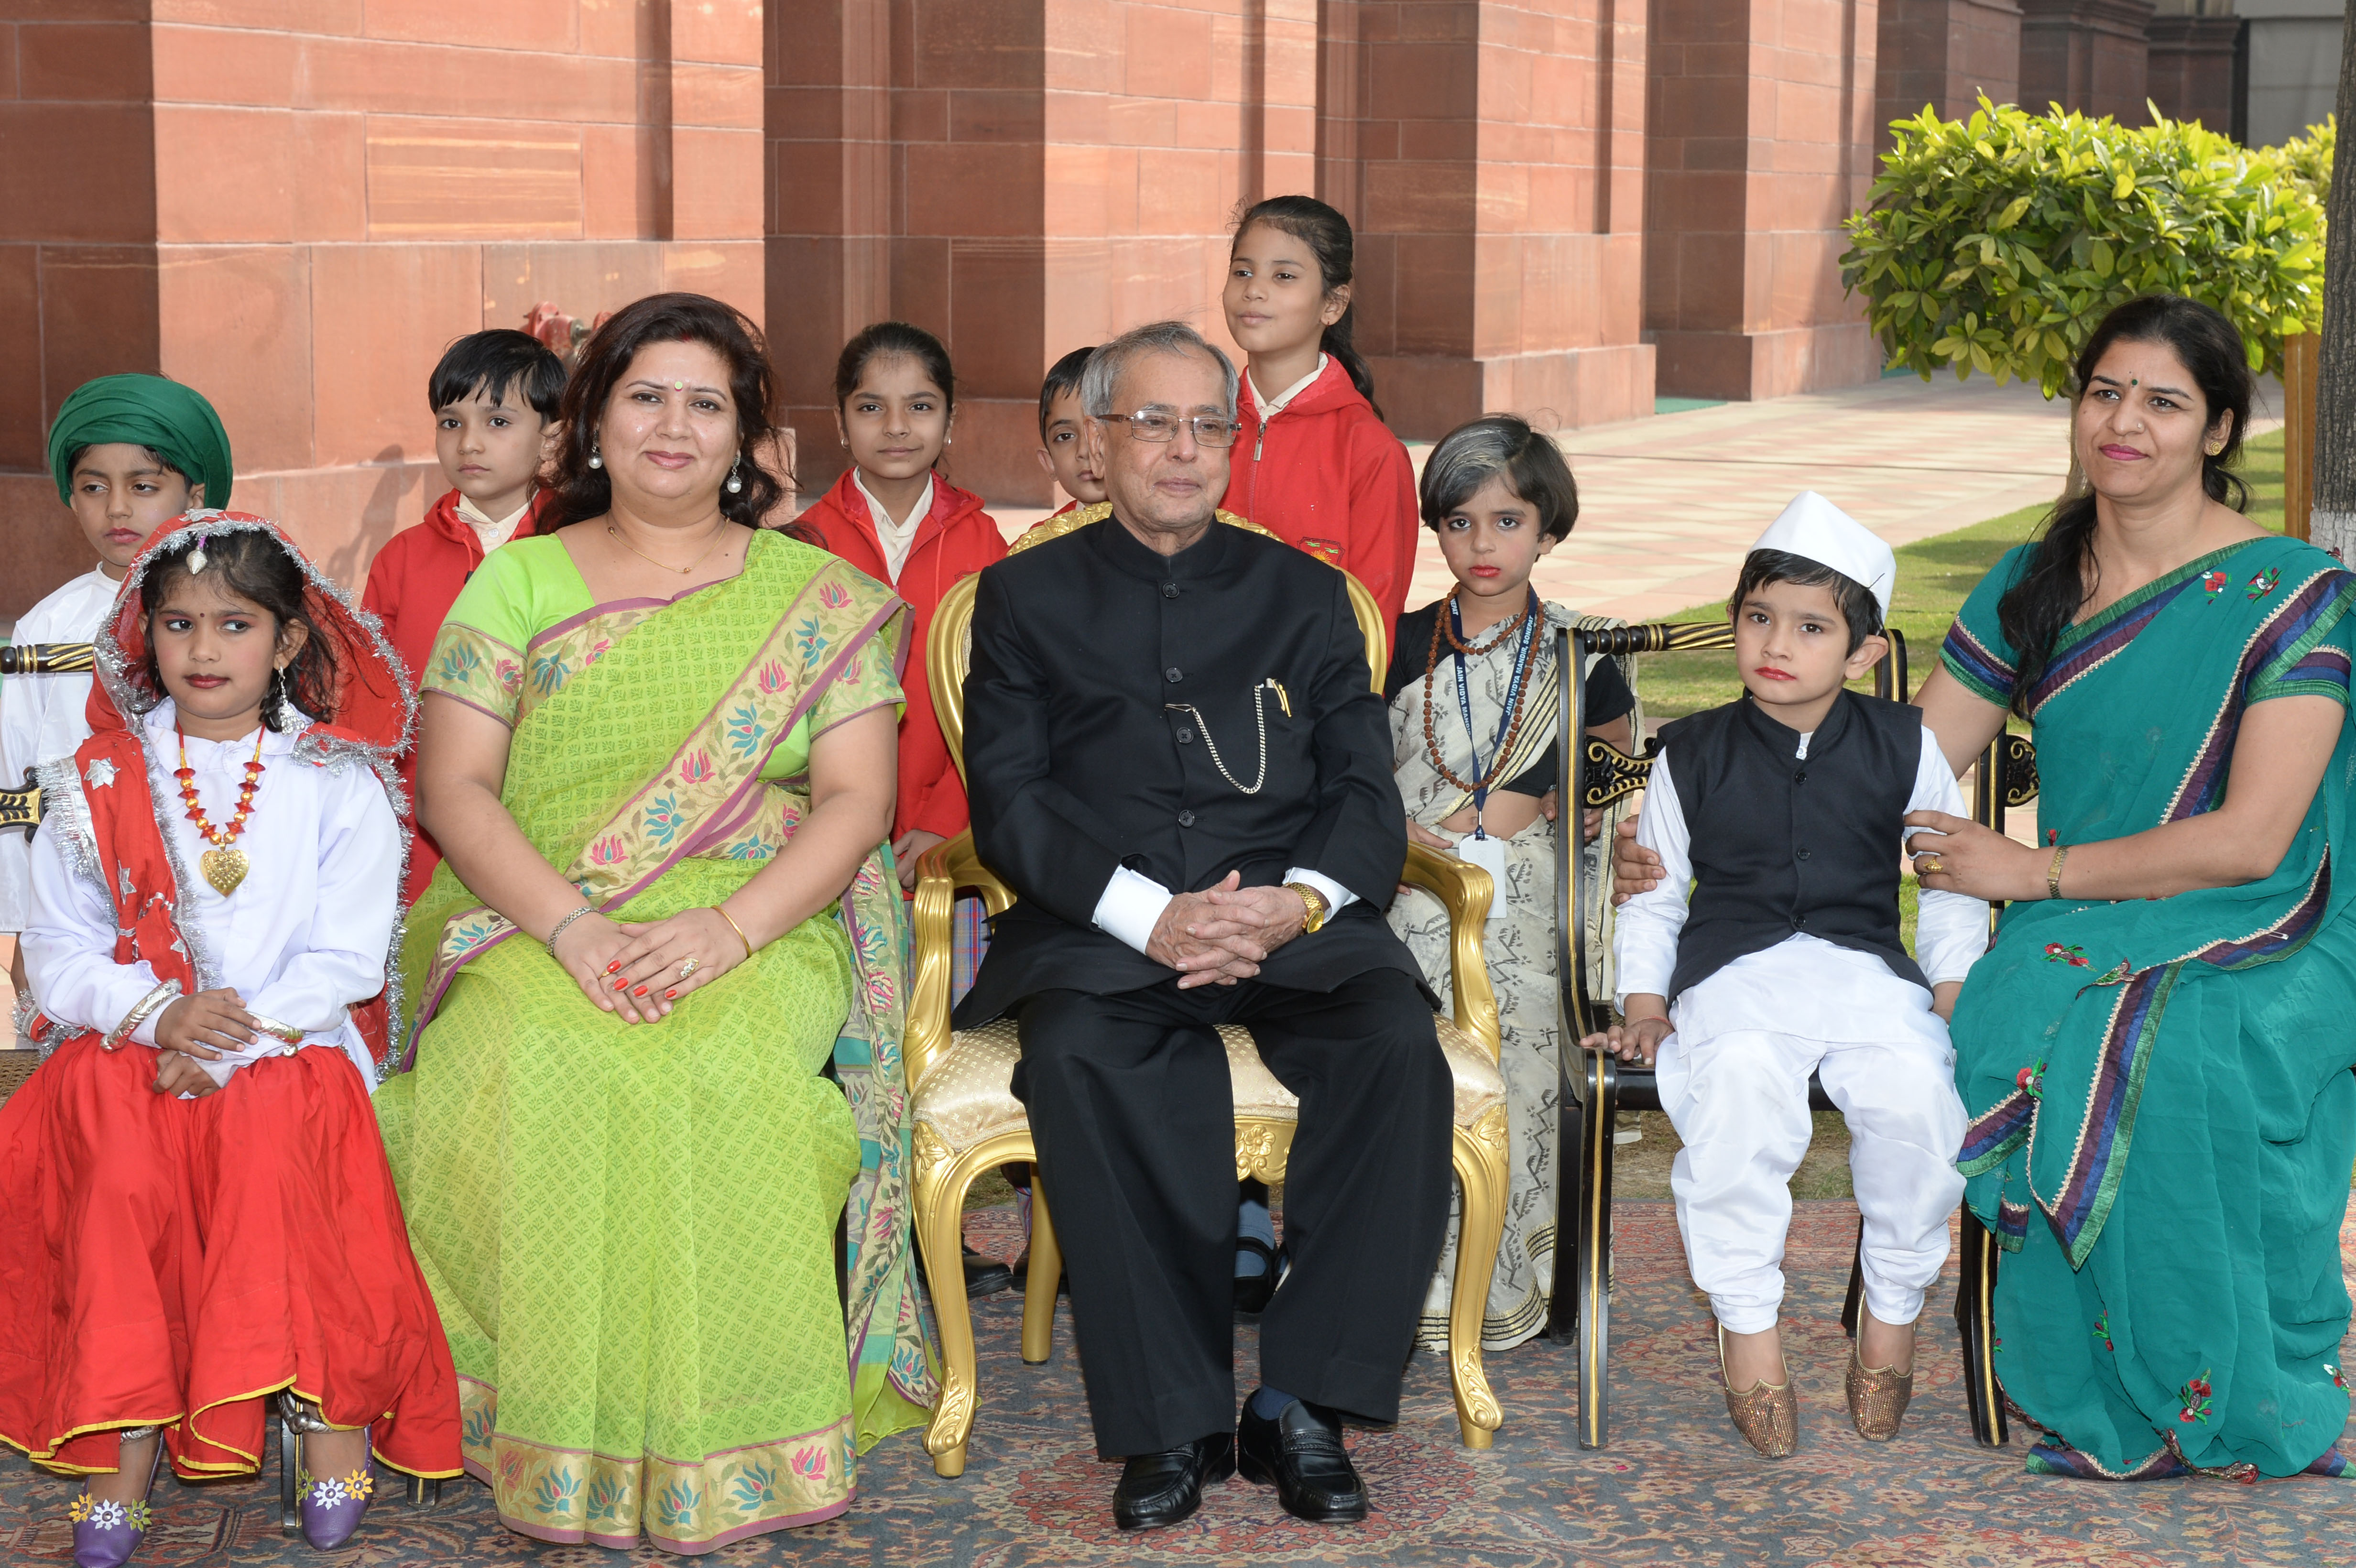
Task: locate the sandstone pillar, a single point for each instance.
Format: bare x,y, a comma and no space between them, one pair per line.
1945,53
1490,157
2087,55
2191,69
1762,143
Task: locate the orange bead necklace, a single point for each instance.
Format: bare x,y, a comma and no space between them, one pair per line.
224,865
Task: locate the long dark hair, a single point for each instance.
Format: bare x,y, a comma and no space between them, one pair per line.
1327,234
584,491
253,566
2055,578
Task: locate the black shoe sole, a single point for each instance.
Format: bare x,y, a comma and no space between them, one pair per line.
1260,1475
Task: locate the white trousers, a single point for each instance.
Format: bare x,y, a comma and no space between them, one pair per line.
1739,1101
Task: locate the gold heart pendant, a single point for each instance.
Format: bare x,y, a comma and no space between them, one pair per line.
224,869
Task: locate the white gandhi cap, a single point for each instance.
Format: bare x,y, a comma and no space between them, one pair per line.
1814,529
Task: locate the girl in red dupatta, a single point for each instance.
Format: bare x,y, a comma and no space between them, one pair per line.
204,1226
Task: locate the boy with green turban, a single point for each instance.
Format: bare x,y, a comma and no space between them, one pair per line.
130,453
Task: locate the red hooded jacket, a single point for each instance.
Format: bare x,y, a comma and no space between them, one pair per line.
956,539
411,585
1323,472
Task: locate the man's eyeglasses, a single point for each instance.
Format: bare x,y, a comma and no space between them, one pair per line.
1210,430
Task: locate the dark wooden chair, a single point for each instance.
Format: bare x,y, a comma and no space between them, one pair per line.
1596,1088
20,811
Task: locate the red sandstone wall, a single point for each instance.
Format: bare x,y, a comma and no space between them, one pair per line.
1763,142
332,191
1490,154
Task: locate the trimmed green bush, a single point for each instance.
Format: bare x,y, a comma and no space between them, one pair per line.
2307,159
1996,243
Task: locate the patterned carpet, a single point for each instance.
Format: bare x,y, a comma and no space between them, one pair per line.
1675,1487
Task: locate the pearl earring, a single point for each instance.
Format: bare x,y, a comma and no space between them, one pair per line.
596,456
735,481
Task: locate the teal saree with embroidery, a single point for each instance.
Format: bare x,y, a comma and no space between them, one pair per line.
2163,1115
630,1229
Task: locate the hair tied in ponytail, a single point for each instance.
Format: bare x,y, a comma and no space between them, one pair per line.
1327,234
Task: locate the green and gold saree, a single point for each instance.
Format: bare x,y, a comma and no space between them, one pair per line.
629,1230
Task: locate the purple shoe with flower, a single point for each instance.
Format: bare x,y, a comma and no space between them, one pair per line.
106,1533
331,1507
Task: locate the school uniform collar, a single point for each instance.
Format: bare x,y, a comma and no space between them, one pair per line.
1277,404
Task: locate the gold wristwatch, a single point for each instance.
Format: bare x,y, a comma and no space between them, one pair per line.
1315,903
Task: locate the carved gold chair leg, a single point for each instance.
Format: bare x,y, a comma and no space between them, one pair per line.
942,1181
1046,1269
1480,1161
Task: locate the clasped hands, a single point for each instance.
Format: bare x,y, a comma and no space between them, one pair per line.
633,968
200,1028
1224,934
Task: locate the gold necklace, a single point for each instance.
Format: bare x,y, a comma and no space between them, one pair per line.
615,534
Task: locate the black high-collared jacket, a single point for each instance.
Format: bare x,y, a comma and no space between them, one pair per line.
1078,763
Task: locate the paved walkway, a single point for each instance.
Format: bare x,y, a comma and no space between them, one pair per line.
1669,505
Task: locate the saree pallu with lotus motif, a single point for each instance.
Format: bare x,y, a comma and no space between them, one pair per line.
629,1228
2163,1114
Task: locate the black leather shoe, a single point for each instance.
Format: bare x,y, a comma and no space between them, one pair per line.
1161,1489
1301,1453
985,1276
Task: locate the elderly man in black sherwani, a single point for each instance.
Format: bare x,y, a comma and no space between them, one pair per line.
1178,763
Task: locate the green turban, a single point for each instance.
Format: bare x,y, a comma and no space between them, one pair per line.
149,412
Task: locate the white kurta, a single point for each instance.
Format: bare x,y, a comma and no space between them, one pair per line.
41,715
1734,1076
302,940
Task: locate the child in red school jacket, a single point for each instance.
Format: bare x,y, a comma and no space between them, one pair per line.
494,397
1315,464
897,519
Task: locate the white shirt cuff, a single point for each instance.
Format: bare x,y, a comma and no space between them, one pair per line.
1129,906
1337,897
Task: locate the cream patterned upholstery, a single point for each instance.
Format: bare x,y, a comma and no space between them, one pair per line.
965,1097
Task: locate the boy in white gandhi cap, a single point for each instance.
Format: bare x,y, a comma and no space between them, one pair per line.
1783,813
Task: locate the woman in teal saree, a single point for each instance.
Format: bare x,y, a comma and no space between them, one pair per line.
2156,1051
665,920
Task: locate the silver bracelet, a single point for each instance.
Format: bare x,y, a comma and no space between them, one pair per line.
145,1005
568,920
287,1033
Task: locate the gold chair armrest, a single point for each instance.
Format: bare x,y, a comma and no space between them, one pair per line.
941,870
1465,891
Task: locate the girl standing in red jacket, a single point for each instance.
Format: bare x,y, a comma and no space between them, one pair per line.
1316,466
894,517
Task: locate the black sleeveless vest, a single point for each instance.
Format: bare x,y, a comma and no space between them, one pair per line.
1783,844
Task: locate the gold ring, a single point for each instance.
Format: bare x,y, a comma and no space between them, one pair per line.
1934,864
687,968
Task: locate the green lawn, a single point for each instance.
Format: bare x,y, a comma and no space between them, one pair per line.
1933,577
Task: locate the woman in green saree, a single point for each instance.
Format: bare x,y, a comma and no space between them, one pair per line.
659,760
2156,1050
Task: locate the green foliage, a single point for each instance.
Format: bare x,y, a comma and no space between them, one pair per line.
1996,243
2306,160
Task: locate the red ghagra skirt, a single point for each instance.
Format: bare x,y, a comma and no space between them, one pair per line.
177,1261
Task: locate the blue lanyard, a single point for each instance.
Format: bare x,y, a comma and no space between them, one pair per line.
1513,704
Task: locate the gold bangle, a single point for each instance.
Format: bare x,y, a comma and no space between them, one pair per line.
2053,872
736,928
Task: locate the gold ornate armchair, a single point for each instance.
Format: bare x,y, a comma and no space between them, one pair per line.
969,1121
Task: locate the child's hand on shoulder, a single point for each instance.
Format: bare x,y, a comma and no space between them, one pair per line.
176,1074
1637,1040
205,1025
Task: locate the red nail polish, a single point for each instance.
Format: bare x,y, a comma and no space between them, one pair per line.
670,995
616,963
640,991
